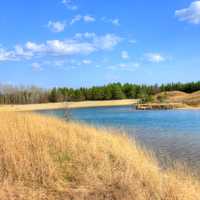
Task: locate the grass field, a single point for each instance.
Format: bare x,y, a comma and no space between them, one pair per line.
83,104
43,158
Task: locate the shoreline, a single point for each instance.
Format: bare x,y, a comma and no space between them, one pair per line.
166,106
81,104
68,105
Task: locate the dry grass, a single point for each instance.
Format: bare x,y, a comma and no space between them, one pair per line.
42,158
81,104
191,100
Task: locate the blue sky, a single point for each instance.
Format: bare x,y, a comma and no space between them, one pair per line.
93,42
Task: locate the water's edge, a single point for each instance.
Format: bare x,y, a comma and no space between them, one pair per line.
171,134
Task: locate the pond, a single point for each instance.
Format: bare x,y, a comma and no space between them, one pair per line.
170,134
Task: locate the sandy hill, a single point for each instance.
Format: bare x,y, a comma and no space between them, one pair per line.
43,158
192,99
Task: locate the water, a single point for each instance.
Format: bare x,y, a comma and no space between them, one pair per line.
172,134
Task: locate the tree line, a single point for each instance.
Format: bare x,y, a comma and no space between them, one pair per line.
31,95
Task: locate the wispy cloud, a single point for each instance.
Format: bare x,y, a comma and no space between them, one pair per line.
75,19
60,63
115,21
87,62
127,66
6,55
36,66
70,5
85,18
190,14
86,35
89,18
107,41
56,26
155,57
124,55
15,54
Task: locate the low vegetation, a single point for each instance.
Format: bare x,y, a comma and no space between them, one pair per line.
45,158
29,95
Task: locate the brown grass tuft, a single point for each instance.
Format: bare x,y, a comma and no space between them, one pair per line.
46,158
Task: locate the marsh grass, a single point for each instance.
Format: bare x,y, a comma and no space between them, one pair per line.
46,158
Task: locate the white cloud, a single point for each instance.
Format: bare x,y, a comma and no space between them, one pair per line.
86,35
37,66
78,35
68,47
70,5
56,26
124,55
89,35
33,47
115,22
6,55
76,19
59,63
84,45
20,52
104,42
190,14
88,18
130,66
107,41
87,62
155,57
13,55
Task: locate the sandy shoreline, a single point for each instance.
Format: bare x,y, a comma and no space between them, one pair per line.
82,104
63,105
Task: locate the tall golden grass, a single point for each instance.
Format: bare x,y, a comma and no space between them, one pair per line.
43,158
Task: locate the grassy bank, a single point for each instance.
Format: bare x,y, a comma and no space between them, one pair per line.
46,158
82,104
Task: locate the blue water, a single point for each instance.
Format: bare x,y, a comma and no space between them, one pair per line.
171,134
